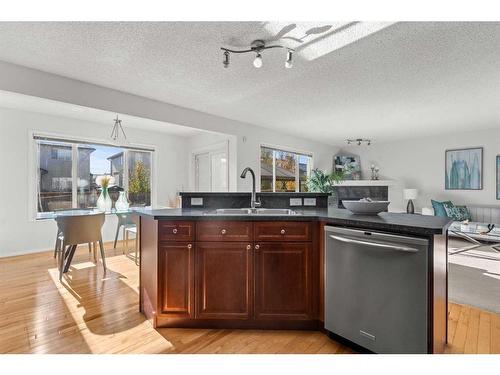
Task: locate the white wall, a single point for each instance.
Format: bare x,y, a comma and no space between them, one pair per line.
419,163
18,232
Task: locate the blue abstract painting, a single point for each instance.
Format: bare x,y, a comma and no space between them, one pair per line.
464,169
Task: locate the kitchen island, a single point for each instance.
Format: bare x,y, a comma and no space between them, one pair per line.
200,268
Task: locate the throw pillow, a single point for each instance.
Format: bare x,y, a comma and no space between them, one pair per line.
458,213
439,209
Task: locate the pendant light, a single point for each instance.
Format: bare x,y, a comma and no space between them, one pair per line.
118,136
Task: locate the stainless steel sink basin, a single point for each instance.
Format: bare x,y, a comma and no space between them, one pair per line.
256,211
233,211
275,211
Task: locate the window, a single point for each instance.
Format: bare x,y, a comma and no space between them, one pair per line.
67,171
283,171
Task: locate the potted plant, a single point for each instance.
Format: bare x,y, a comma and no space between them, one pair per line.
321,182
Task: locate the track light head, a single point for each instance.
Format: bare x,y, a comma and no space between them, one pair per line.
257,62
288,62
226,59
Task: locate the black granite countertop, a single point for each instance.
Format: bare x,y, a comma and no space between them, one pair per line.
388,222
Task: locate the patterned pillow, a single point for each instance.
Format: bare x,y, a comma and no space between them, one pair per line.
439,209
457,213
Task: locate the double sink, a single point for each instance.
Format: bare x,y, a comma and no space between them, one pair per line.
253,211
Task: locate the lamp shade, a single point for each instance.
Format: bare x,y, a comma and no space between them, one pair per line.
410,193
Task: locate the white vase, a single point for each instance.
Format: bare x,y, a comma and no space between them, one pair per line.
121,203
104,202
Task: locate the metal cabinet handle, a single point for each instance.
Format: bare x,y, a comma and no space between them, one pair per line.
174,231
257,247
382,245
249,247
223,231
282,231
190,246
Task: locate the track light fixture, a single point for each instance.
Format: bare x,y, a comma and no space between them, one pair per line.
257,47
359,141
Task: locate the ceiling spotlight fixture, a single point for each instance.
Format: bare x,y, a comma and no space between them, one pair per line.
288,62
257,47
226,59
257,62
359,141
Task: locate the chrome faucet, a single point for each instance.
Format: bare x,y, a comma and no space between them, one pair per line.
254,202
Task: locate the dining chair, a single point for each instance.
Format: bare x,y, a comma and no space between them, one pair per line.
124,220
128,232
75,230
61,211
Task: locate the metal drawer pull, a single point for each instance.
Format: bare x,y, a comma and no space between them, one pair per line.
249,247
174,231
257,247
375,244
223,231
282,231
190,246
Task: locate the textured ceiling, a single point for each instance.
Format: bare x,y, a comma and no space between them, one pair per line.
407,80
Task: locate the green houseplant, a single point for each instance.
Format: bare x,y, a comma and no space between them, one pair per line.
321,182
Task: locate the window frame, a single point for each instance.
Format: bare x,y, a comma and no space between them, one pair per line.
32,165
295,151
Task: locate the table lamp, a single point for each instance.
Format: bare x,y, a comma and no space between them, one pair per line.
410,194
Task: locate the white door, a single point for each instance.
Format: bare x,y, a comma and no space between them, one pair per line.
218,165
211,170
202,165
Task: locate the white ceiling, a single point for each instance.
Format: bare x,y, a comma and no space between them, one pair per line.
407,80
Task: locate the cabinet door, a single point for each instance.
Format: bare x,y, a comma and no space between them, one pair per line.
224,280
283,280
176,279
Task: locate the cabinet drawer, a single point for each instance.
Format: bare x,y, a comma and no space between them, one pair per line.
282,231
175,231
222,230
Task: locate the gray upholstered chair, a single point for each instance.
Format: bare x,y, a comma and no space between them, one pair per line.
75,230
59,238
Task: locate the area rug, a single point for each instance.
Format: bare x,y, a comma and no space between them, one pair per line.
474,277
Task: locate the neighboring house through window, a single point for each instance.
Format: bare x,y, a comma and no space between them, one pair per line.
67,171
284,170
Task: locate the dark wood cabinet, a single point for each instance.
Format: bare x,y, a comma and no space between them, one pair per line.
219,273
223,230
176,273
283,280
280,231
176,231
224,280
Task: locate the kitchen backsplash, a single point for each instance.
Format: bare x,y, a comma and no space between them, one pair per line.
268,200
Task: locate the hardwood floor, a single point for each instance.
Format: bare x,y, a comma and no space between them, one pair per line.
91,314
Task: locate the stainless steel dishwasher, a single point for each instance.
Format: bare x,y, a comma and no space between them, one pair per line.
376,289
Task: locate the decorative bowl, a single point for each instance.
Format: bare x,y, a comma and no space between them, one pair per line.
363,207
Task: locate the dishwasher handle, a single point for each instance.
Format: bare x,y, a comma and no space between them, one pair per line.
381,245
